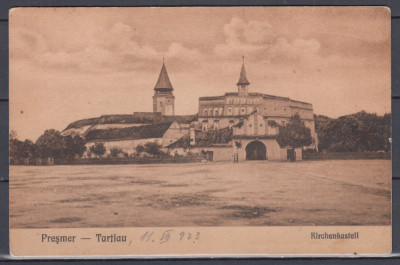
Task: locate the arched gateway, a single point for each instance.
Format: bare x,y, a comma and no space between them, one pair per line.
256,150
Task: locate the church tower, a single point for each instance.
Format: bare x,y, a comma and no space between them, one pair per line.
163,99
243,82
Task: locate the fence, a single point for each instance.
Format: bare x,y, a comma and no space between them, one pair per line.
32,161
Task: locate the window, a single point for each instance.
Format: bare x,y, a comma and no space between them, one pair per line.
204,125
205,112
216,125
231,124
242,110
229,111
215,112
221,111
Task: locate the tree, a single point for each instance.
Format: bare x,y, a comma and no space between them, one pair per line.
98,149
358,132
79,146
19,149
74,146
13,135
50,144
153,148
294,134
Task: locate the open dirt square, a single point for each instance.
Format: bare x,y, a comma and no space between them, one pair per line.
342,192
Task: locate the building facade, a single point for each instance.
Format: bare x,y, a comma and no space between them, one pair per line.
253,118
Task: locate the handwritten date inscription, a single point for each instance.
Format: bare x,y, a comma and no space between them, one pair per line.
170,235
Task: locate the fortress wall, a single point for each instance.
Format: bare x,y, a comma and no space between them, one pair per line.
115,125
76,131
276,107
303,113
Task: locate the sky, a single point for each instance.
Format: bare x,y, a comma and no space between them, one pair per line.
68,64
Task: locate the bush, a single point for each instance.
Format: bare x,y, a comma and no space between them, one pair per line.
115,152
139,148
98,149
153,148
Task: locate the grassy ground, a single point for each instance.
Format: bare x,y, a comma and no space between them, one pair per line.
339,192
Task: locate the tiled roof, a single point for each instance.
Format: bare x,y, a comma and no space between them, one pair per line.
205,138
129,133
137,117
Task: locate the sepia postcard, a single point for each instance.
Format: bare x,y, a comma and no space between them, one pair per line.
200,131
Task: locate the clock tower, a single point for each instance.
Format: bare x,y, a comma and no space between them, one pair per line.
163,99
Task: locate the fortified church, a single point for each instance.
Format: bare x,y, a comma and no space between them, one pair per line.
239,125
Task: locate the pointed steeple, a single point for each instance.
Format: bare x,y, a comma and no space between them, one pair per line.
243,79
163,83
163,98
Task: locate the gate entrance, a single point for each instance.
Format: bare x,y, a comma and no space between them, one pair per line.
256,151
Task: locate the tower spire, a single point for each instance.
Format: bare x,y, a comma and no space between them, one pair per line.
163,83
242,78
